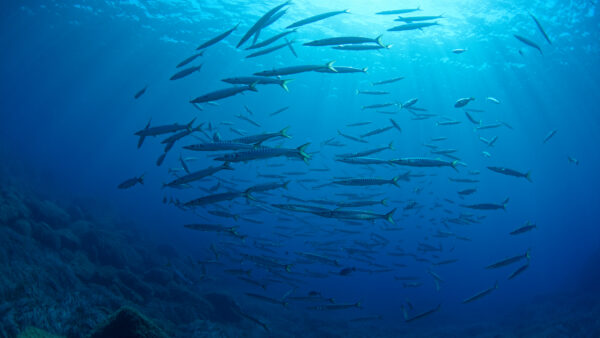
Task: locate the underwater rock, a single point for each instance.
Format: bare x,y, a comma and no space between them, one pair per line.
34,332
158,276
50,213
134,283
12,208
79,227
46,236
127,323
224,308
22,226
68,240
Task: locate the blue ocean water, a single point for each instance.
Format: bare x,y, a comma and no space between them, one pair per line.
70,70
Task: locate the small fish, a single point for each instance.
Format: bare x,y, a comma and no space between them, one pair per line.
266,299
371,92
550,135
131,182
190,59
345,40
528,42
573,160
217,38
140,93
399,11
280,110
511,172
422,314
316,18
493,100
526,228
463,102
418,18
185,72
481,294
412,26
519,271
458,51
541,29
387,81
510,260
223,93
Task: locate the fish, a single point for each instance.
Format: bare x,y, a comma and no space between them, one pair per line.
260,138
211,228
159,130
363,160
510,260
447,123
526,228
487,206
270,40
422,314
140,92
185,72
493,100
262,22
356,215
370,92
378,83
197,175
131,182
395,125
418,18
368,152
316,18
463,102
295,70
189,59
462,180
216,198
550,135
358,124
519,271
219,146
467,192
459,50
350,137
341,70
511,172
489,126
366,319
269,50
335,306
280,110
258,80
345,40
540,28
379,105
371,181
573,160
481,294
223,93
259,153
361,47
412,26
266,299
399,11
217,38
267,186
423,162
376,131
357,204
247,119
472,119
528,42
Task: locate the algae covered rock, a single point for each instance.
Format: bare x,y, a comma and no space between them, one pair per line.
127,323
34,332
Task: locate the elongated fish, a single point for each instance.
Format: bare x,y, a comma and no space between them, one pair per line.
140,92
190,59
376,131
260,138
248,80
422,314
219,146
481,294
356,182
345,40
418,18
131,182
335,306
528,42
511,172
197,175
388,81
550,135
526,228
412,26
216,198
185,72
341,70
487,206
399,11
519,271
316,18
510,260
361,47
271,40
356,215
262,22
217,38
368,152
266,299
423,162
269,50
295,70
265,153
159,130
223,93
541,29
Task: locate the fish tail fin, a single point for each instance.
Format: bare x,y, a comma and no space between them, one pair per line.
453,165
528,176
358,305
395,181
330,66
285,185
141,178
384,202
249,196
252,87
301,150
236,217
528,254
249,272
189,125
288,267
364,70
504,203
284,84
283,132
378,41
496,285
227,165
346,11
389,216
356,91
391,145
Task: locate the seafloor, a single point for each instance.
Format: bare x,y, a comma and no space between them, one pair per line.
67,267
